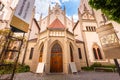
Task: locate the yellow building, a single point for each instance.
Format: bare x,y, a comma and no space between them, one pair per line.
89,21
61,41
56,45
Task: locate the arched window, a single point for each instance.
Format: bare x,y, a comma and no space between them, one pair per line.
79,52
71,53
56,48
87,28
31,53
41,53
97,52
94,28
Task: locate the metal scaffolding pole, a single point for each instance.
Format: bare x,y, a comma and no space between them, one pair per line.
16,61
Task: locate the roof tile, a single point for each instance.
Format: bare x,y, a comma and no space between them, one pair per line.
56,24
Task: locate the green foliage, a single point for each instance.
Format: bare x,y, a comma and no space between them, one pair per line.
109,66
110,8
87,68
4,32
91,68
9,68
22,68
96,65
6,69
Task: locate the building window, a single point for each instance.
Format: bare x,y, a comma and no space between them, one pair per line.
71,53
94,28
56,48
41,53
87,28
90,28
79,51
31,53
97,52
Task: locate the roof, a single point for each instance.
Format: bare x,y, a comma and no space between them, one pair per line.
75,24
37,24
56,24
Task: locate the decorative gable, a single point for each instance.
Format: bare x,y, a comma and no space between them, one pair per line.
88,16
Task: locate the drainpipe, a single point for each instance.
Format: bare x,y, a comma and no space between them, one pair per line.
86,55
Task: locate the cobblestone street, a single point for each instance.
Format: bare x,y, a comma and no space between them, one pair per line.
79,76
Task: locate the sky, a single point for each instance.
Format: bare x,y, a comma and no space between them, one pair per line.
71,7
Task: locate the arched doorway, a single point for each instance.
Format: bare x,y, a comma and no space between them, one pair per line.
56,63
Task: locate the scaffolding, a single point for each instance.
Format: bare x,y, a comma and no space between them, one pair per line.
7,49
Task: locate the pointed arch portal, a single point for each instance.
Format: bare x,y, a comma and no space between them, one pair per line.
56,63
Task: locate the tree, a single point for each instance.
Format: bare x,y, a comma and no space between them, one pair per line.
110,8
3,34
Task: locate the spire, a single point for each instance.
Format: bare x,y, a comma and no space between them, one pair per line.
72,21
34,10
79,14
93,12
72,18
85,8
49,10
57,6
64,10
79,11
48,18
40,16
65,15
40,20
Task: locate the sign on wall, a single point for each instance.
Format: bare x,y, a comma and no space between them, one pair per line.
22,16
109,41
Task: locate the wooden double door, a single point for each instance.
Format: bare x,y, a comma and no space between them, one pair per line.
56,63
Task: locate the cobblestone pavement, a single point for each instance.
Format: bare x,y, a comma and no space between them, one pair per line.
79,76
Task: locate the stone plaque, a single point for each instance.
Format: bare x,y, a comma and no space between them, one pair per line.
109,41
